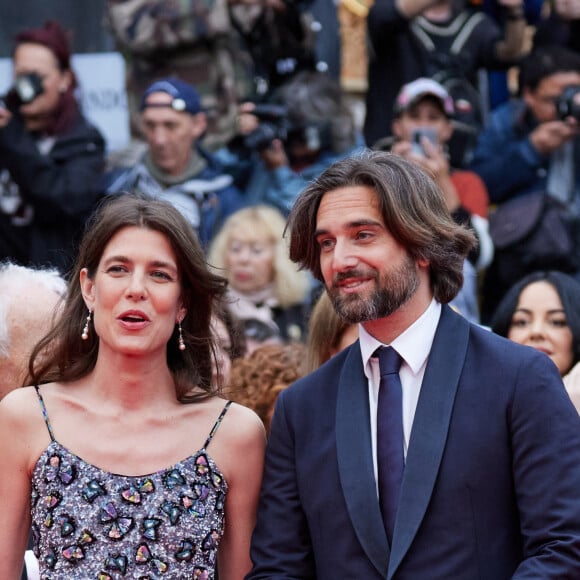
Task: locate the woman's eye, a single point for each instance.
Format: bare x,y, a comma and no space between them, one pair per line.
560,323
116,269
161,275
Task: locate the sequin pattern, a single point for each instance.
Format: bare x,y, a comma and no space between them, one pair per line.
90,524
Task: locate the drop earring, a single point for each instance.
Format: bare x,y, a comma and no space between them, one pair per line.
180,341
85,334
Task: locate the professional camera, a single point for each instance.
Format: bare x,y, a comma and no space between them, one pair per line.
274,124
568,104
25,89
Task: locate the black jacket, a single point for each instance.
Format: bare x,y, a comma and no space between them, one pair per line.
61,187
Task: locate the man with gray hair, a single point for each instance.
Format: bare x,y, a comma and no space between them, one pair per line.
29,300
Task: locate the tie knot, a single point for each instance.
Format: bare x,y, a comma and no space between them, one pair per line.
389,360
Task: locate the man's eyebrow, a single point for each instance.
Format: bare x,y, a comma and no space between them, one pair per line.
352,225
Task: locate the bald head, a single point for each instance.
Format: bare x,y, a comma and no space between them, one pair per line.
29,301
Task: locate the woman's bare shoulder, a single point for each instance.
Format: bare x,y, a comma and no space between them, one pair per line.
19,404
239,444
245,419
22,426
240,428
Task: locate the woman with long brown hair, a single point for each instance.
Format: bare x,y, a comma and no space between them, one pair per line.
123,456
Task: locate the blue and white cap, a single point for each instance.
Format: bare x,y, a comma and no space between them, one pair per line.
185,97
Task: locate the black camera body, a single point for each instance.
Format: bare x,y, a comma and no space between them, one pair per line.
274,124
25,89
568,104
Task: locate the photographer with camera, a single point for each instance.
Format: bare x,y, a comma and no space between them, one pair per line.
284,144
527,156
518,150
51,158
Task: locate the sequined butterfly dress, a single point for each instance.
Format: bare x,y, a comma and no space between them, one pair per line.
91,524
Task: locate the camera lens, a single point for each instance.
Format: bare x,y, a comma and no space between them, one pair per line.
28,87
568,105
262,137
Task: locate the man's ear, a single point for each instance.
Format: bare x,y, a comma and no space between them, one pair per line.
198,126
87,288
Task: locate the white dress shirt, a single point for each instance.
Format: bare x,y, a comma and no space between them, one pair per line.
413,345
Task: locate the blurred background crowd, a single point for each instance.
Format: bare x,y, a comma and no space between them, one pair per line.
233,106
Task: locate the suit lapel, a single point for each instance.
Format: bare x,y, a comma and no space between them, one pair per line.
429,432
355,463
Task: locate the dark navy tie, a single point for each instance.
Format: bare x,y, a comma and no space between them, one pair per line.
390,458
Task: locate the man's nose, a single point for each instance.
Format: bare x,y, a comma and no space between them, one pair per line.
344,257
159,136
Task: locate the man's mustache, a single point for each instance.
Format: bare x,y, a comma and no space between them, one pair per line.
341,276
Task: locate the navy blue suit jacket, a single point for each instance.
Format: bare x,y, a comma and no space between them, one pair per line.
491,488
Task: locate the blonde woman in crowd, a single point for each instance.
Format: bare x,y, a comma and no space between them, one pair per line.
266,290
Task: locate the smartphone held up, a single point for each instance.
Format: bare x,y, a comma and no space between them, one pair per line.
417,139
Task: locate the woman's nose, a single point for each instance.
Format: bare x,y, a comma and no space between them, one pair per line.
537,328
243,254
136,288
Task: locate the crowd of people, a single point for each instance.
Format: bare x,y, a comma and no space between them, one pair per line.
195,332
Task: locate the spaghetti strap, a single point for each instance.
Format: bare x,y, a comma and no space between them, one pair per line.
44,413
217,424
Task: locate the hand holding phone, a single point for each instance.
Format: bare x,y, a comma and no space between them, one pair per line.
416,138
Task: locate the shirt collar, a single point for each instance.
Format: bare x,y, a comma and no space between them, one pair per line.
414,344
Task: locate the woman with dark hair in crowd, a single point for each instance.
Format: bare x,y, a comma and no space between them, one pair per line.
123,456
51,158
542,310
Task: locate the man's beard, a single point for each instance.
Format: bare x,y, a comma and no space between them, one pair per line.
393,289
